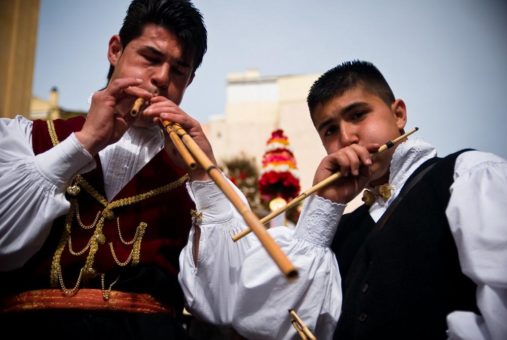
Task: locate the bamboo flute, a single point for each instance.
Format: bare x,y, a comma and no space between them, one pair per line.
190,150
255,225
300,332
182,149
303,331
136,108
187,157
317,187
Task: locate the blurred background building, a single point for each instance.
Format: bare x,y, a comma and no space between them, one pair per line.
255,106
18,37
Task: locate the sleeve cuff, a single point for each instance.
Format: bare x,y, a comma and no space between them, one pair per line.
318,221
64,161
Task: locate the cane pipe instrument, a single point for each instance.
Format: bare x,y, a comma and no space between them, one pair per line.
185,154
303,331
136,108
182,149
317,187
188,143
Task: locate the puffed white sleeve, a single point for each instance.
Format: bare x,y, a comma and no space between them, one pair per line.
477,214
265,295
32,189
211,261
238,284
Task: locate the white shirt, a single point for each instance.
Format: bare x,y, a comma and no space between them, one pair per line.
32,186
238,284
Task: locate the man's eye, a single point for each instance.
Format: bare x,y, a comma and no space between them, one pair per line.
357,115
151,59
178,71
330,131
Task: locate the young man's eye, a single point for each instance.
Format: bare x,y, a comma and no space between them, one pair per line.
357,115
330,131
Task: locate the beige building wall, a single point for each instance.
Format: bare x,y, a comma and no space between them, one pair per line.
45,109
295,120
18,33
255,106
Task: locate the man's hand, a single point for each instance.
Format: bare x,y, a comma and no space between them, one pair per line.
108,117
161,108
354,163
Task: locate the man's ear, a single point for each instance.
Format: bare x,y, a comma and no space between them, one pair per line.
115,50
400,112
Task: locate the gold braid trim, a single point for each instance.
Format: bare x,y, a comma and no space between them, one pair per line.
98,238
52,132
135,253
128,200
55,264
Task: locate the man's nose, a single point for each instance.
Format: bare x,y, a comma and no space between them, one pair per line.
348,134
161,77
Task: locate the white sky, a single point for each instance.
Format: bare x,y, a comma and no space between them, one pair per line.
446,58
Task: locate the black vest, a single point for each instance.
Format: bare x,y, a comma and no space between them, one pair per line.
402,280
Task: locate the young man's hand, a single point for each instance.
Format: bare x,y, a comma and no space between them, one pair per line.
353,162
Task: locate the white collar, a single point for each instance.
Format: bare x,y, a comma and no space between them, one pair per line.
122,160
407,157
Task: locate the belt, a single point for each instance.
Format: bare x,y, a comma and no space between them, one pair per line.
84,299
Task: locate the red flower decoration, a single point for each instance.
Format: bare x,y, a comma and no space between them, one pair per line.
278,184
278,175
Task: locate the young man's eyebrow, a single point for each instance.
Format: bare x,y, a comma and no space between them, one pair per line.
353,106
342,112
325,123
159,54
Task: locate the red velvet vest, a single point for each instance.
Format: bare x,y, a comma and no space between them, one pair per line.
135,239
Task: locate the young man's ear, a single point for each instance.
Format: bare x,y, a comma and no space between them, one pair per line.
400,111
115,50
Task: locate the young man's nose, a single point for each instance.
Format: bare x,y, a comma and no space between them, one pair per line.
348,135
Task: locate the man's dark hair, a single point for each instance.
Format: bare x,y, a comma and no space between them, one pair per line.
178,16
347,76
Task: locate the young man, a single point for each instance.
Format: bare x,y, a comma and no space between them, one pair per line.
426,259
93,212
